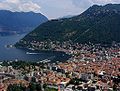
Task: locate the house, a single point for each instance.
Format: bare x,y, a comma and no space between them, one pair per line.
86,76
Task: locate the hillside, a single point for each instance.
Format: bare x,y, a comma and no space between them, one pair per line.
19,22
98,24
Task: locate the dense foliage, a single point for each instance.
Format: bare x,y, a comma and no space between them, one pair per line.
16,87
31,87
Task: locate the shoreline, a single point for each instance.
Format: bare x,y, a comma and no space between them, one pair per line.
29,52
37,51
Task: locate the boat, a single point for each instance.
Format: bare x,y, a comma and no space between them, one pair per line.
9,46
29,53
46,60
31,49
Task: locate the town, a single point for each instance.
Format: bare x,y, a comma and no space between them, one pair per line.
92,67
59,45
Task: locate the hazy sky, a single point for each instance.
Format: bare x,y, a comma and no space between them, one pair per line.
52,8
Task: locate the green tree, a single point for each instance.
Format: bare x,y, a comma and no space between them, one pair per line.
16,87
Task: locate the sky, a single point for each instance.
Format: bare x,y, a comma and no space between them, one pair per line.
52,8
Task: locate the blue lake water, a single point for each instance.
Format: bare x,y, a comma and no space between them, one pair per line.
20,54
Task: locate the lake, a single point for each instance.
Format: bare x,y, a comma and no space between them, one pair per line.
26,55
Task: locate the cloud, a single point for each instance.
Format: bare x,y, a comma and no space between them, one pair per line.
13,1
52,8
82,3
58,8
105,1
20,5
29,7
86,3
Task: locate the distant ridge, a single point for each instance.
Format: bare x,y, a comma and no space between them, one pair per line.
19,22
68,16
98,24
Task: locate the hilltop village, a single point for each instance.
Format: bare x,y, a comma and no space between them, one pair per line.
90,68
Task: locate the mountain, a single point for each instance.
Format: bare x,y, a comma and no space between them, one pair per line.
19,22
68,16
98,24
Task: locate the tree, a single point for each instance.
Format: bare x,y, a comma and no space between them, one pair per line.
38,87
16,87
33,79
32,87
